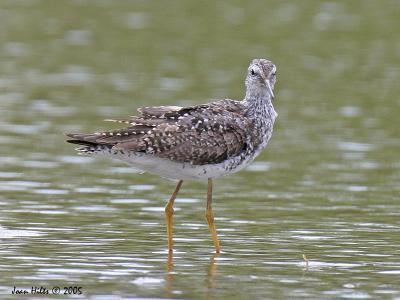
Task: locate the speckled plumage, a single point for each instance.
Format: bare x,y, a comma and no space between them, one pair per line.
203,141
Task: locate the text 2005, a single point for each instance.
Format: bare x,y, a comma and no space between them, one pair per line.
72,290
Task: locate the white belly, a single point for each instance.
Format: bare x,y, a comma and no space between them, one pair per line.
175,170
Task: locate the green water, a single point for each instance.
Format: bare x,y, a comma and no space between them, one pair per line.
327,186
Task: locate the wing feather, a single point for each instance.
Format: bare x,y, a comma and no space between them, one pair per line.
202,134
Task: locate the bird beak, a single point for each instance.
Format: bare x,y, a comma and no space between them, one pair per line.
269,88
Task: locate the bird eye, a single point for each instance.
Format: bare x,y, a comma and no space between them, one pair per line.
253,72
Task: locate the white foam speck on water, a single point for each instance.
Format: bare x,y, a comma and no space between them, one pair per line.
357,147
357,188
350,111
67,271
51,191
351,295
312,238
24,183
91,190
130,201
188,239
187,200
242,222
392,272
94,208
10,175
315,264
157,209
50,212
10,233
259,166
29,258
142,187
147,281
308,235
192,225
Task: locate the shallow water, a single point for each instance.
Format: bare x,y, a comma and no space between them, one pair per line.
327,187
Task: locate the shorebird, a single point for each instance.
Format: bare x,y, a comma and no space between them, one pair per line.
196,142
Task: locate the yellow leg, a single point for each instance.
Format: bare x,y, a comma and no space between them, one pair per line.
210,217
169,213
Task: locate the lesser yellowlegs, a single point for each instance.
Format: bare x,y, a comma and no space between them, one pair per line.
196,142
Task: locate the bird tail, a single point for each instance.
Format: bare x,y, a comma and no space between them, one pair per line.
86,140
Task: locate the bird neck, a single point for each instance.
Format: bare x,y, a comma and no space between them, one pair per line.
259,103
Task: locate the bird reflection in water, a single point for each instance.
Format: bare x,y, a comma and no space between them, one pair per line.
169,278
211,272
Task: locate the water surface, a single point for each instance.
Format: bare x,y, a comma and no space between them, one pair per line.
327,187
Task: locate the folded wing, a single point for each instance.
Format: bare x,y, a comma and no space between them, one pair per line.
201,134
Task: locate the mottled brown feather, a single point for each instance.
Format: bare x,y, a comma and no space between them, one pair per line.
202,134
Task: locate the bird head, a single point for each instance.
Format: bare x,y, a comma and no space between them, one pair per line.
261,74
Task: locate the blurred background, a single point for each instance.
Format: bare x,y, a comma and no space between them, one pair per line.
327,186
